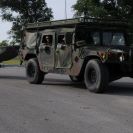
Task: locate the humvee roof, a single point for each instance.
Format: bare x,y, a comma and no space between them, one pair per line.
76,21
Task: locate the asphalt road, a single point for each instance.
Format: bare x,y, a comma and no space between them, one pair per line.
60,106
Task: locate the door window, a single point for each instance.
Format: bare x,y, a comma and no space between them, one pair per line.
47,40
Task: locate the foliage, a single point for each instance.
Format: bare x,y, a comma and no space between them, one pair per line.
91,8
20,12
119,9
4,43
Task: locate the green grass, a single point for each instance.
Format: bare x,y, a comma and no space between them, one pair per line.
14,61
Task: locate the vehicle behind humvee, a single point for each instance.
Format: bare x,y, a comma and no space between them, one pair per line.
90,50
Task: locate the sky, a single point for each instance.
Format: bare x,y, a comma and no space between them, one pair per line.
58,8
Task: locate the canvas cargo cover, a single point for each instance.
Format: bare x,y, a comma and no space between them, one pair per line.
30,39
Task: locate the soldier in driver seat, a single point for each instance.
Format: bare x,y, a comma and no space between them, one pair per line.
47,41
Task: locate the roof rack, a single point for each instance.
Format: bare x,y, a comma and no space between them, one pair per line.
73,22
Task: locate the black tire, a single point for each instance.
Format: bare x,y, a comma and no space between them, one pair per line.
76,78
33,72
96,76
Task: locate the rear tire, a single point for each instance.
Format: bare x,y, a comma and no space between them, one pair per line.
33,72
96,76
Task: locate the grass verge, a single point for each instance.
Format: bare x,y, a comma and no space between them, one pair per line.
14,61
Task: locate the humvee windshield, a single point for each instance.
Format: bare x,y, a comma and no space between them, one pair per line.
101,37
110,38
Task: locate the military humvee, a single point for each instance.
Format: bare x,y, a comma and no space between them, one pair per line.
91,50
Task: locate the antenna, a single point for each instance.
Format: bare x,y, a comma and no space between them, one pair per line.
65,9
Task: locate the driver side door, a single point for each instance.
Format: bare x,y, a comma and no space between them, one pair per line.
46,53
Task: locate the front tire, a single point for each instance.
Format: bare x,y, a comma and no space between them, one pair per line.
96,76
33,72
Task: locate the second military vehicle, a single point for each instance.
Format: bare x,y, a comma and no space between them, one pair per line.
8,52
91,50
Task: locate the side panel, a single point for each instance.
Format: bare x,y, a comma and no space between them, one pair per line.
64,56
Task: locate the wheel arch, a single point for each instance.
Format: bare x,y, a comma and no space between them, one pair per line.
30,56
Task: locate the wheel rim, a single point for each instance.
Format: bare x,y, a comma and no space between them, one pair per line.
92,76
31,70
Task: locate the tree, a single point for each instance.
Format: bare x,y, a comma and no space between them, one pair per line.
20,12
90,8
121,9
4,43
118,9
